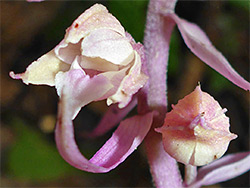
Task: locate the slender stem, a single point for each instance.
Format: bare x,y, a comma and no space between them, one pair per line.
158,31
190,174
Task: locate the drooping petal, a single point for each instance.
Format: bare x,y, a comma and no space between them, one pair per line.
123,142
111,118
79,89
228,167
108,45
196,131
131,83
200,45
96,17
42,71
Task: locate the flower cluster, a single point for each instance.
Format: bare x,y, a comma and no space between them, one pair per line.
98,60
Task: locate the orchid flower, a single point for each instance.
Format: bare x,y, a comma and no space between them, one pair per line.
98,60
161,19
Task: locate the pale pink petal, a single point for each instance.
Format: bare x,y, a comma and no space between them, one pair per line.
79,89
96,17
67,51
131,83
98,64
123,142
42,71
200,45
139,48
115,78
226,168
111,118
108,45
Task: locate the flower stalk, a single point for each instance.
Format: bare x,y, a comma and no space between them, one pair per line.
163,168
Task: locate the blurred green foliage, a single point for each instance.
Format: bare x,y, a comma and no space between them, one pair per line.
243,4
174,54
32,157
132,15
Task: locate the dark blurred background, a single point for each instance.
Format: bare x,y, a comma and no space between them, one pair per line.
29,157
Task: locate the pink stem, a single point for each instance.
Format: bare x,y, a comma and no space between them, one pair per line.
163,168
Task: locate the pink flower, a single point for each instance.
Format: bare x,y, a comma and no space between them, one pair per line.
196,131
97,48
96,60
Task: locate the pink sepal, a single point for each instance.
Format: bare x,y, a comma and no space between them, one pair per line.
223,169
200,45
123,142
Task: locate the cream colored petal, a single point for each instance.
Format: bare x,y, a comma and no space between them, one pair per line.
108,45
210,145
42,71
96,17
115,78
98,64
131,83
67,51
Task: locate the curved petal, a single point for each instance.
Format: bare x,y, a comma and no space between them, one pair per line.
115,78
109,45
97,64
123,142
78,89
200,45
42,71
111,118
67,51
223,169
131,83
96,17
